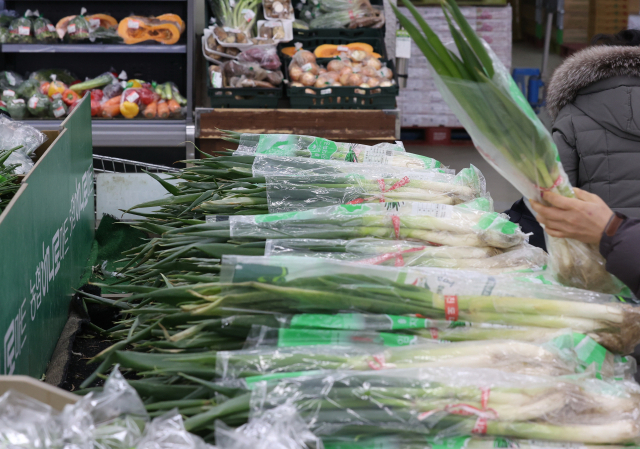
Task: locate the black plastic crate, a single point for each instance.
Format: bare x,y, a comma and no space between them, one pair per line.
244,97
344,97
331,34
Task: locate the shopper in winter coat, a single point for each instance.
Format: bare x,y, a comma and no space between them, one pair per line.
589,220
594,99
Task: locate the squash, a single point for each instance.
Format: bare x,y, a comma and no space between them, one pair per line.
61,26
136,29
105,20
289,51
331,51
173,18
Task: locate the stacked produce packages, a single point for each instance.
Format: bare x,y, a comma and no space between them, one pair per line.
421,102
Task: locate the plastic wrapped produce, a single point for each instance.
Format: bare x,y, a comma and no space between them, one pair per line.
10,80
14,134
510,137
17,108
311,285
39,105
413,254
168,432
446,402
437,224
21,29
267,57
44,31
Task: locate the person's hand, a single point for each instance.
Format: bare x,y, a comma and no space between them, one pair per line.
582,218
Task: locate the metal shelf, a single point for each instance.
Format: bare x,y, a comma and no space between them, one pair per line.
92,48
130,133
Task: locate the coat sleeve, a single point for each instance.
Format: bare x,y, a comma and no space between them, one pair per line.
565,138
622,252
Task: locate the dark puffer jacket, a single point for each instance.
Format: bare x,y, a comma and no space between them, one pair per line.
594,99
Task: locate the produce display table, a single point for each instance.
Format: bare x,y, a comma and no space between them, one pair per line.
357,126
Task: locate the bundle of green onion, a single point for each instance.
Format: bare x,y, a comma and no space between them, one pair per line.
8,184
413,254
505,130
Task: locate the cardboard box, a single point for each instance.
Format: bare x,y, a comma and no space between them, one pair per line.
54,397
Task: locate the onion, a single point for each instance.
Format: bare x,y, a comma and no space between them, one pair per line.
374,81
333,76
386,72
386,83
297,84
368,71
337,85
353,80
308,79
295,72
335,65
303,57
323,81
345,74
358,55
322,70
364,85
373,62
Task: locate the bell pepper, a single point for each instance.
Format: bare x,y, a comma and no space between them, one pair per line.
69,97
73,105
134,83
44,88
56,89
147,96
96,94
96,108
129,109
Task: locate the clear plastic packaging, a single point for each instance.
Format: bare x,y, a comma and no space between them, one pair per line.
14,133
310,285
362,184
24,163
448,402
435,224
168,432
278,9
303,350
21,29
412,254
520,148
25,422
266,56
249,74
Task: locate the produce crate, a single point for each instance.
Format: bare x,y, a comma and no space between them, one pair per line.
344,97
244,97
333,35
46,234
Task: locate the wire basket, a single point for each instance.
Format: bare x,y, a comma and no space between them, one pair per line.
107,164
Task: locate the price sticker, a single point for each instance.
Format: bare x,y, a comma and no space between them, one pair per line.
403,44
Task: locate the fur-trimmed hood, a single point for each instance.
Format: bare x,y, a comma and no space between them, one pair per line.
589,66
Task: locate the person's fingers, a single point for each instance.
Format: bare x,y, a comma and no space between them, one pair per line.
586,196
556,200
555,233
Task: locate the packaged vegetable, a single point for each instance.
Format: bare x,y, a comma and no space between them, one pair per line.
129,109
28,88
136,29
21,29
147,96
58,108
112,90
278,9
6,16
96,108
39,105
7,94
174,107
99,81
267,57
176,94
44,31
61,75
17,108
163,110
56,88
151,110
78,29
4,35
96,94
69,96
9,79
111,107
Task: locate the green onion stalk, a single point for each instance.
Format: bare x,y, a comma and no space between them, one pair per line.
505,130
8,180
234,14
446,402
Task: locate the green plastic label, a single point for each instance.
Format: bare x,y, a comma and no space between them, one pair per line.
481,204
288,337
406,322
343,321
494,221
267,218
322,148
277,144
588,350
450,443
251,381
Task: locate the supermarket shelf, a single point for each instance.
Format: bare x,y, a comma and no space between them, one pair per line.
92,48
130,133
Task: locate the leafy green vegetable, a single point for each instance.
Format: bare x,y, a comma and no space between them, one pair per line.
17,108
39,105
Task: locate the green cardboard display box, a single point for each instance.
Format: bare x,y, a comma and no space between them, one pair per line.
46,234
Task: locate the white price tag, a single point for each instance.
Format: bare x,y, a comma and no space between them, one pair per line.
134,24
8,93
216,80
71,28
11,79
325,91
377,156
56,96
132,97
33,102
248,14
51,28
307,67
403,44
431,209
94,23
342,48
23,31
58,112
